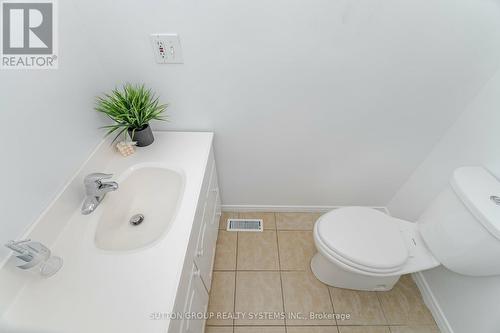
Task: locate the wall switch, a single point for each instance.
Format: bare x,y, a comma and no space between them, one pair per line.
167,48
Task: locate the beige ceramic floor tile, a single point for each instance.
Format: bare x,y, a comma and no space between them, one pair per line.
403,305
225,253
257,251
224,217
268,218
258,293
295,221
260,329
221,297
304,294
364,329
415,329
296,249
219,329
363,306
311,329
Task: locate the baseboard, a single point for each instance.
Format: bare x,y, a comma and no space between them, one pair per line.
431,302
284,208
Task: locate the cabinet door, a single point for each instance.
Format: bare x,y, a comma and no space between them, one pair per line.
213,229
208,237
196,304
206,249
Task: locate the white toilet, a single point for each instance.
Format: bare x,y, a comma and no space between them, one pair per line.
365,249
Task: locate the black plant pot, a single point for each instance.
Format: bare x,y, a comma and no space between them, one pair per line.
143,136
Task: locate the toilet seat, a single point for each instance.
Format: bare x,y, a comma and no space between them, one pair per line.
363,239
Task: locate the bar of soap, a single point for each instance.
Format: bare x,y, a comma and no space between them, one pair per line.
126,148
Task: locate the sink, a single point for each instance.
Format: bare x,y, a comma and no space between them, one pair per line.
140,211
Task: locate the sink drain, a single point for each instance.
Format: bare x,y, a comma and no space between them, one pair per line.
136,219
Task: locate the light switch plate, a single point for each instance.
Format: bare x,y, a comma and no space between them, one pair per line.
167,48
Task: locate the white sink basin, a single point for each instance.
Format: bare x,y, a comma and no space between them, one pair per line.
153,192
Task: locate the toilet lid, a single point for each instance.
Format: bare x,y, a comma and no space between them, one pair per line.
364,236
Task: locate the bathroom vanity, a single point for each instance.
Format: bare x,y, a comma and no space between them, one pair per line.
192,294
119,277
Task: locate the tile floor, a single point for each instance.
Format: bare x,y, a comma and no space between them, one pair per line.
264,274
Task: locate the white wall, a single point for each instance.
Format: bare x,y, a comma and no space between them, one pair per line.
313,102
48,126
470,304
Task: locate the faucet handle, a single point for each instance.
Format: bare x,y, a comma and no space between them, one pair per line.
96,177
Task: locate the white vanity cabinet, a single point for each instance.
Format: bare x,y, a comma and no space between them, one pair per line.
205,247
196,279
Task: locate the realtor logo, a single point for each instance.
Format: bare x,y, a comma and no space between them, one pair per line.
28,35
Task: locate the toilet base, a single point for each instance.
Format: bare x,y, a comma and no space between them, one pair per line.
333,275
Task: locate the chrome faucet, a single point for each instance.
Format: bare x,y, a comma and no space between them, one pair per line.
95,190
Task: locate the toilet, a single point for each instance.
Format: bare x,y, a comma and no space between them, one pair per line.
363,248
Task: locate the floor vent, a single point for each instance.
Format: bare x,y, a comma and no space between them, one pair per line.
245,225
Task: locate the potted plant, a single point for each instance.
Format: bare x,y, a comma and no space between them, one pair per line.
132,108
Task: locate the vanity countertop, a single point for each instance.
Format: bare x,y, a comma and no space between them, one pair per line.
101,291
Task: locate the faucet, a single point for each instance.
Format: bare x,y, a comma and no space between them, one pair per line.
95,190
31,254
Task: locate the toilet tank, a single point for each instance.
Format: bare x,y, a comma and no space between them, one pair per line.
461,226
